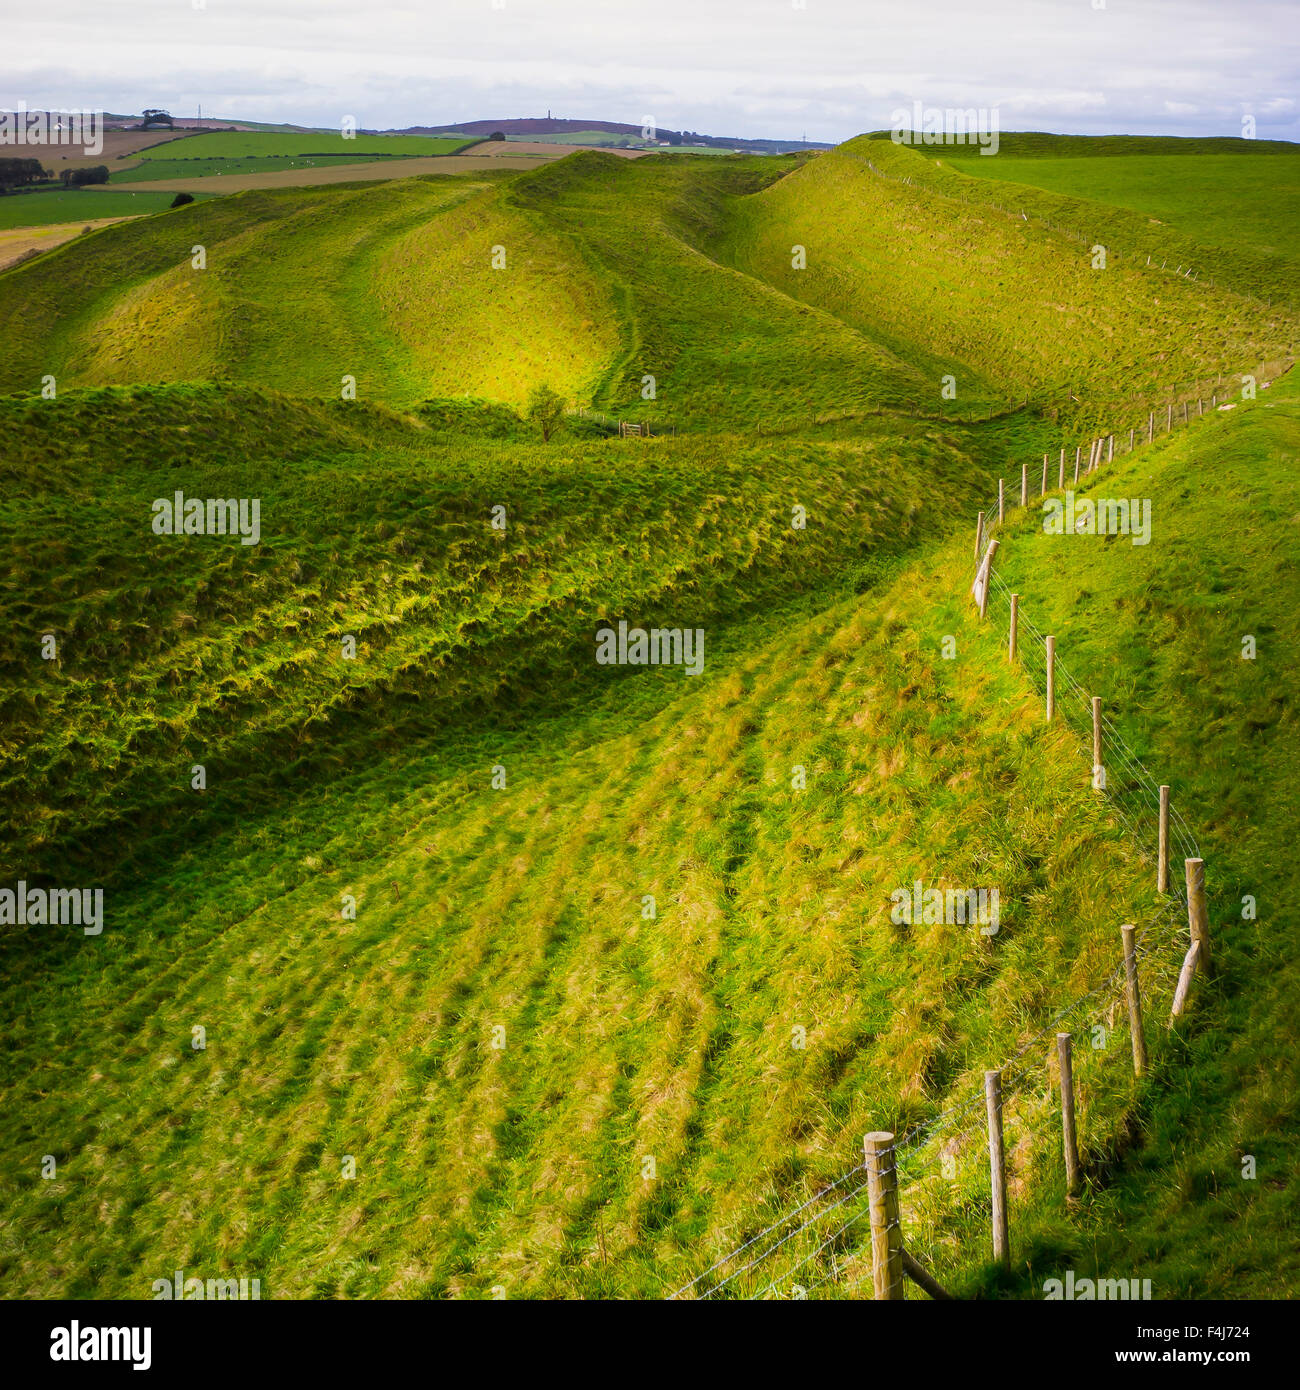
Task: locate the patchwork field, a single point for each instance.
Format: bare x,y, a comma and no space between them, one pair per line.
174,178
119,145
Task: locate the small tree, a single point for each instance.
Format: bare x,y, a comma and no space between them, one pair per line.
546,410
181,199
497,135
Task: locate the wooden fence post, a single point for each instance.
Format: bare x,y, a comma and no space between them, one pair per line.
1051,678
979,536
1198,917
1185,981
1169,416
1096,742
1063,1045
1078,450
1002,501
1162,860
1044,491
1151,426
1134,1000
1110,457
1130,439
923,1279
1013,638
988,577
1060,482
1024,484
997,1166
886,1231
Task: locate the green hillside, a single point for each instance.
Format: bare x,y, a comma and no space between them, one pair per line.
659,288
517,972
169,648
1158,631
1002,301
522,905
1229,201
387,277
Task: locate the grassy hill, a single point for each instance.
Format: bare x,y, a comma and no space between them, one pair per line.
174,649
615,279
1158,631
625,1036
388,278
518,971
1228,201
898,247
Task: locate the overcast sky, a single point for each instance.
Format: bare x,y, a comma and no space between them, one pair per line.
761,68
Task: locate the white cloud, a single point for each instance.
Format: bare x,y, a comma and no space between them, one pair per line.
756,67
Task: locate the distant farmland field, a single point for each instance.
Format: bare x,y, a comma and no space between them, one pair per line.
80,205
300,175
16,243
154,170
241,144
118,144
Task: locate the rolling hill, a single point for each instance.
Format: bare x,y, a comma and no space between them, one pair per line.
619,278
518,973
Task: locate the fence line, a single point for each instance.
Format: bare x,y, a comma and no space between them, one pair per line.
1181,911
625,428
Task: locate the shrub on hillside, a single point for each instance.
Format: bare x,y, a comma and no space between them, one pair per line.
546,410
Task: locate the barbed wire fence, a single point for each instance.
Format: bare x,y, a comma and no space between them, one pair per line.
851,1229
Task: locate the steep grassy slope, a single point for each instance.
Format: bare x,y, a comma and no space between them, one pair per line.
626,1036
505,1032
1234,202
583,277
1158,630
1005,304
304,288
723,350
660,288
174,650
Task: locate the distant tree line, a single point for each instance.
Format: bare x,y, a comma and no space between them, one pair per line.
20,173
78,178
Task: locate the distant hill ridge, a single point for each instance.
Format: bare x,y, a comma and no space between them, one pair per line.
547,125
